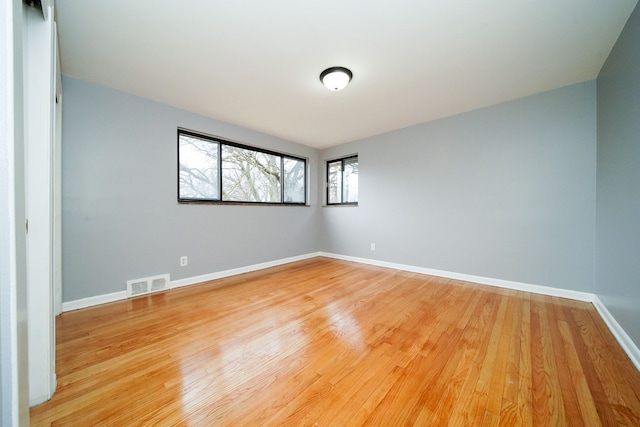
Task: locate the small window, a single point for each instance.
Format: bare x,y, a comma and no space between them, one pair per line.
342,181
215,170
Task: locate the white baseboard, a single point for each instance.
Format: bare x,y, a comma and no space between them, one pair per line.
91,301
508,284
625,341
121,295
227,273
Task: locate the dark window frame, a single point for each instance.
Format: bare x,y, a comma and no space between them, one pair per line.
221,142
342,161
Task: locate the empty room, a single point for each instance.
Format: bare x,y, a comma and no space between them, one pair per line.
320,213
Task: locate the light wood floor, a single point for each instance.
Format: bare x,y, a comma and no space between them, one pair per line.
332,343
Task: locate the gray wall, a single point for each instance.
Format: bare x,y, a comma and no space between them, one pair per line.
618,181
121,220
504,192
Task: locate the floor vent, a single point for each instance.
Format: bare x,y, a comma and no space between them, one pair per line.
147,285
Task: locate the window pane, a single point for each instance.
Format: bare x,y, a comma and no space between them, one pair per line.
198,168
250,176
294,182
216,170
334,179
350,192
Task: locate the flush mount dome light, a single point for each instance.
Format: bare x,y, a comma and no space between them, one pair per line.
336,78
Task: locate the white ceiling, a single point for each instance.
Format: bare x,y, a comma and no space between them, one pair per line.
256,63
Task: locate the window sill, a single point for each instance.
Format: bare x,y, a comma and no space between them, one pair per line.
215,202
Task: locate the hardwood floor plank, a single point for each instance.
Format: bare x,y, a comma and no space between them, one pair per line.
437,398
462,411
509,402
525,378
585,399
564,382
542,409
496,388
339,343
480,404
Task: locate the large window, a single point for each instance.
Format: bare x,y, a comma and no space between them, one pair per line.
214,170
342,181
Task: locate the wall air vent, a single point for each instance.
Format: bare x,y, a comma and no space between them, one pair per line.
147,285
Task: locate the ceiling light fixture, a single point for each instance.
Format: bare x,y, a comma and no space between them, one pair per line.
336,78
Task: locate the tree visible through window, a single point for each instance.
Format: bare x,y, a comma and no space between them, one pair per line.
342,181
250,176
199,168
215,170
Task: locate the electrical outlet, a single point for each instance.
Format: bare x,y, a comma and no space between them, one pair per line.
373,246
184,261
